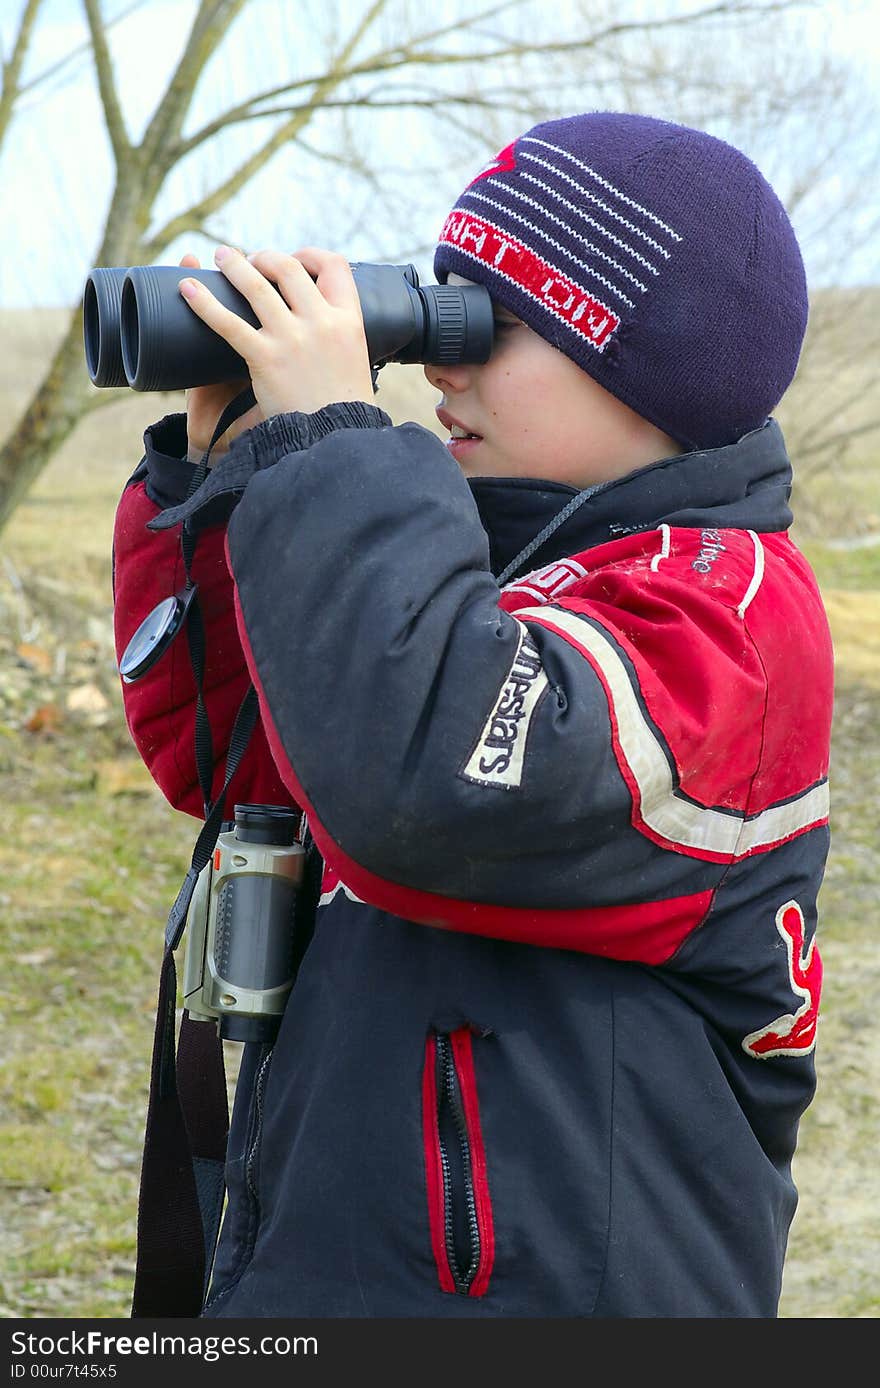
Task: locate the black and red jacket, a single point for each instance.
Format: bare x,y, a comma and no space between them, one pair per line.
549,1044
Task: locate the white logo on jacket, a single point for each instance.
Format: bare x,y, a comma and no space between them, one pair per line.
547,583
332,885
794,1033
497,759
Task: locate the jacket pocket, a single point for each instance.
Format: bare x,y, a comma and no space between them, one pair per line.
459,1205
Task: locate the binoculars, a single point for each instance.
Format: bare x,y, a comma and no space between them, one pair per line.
140,332
240,962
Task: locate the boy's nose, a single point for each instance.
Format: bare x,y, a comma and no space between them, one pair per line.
448,376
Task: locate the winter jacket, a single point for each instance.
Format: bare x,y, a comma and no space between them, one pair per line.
550,1041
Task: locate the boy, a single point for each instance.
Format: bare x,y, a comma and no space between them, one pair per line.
556,700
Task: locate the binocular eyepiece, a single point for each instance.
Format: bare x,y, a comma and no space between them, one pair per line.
140,332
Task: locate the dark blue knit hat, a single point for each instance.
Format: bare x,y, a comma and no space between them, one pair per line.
655,256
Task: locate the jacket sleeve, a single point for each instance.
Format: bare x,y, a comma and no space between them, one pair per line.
160,707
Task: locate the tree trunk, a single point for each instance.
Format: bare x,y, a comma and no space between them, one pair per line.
60,400
52,413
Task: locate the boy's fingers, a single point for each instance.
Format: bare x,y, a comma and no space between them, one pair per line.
239,334
333,275
303,281
260,291
293,279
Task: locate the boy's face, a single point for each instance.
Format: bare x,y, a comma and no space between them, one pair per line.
534,413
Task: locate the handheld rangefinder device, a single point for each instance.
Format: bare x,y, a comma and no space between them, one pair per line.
139,332
239,966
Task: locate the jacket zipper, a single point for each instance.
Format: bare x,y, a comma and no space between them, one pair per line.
460,1214
250,1164
452,1130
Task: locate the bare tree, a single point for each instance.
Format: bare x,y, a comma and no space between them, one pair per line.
467,71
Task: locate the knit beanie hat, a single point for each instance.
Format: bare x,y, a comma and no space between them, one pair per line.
657,257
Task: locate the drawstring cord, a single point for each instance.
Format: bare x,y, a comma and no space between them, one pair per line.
559,519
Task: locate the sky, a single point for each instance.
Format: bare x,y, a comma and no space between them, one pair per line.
56,171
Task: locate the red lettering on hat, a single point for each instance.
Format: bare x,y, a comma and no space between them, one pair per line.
545,284
502,163
795,1032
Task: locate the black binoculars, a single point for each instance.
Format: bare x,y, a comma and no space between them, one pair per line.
140,332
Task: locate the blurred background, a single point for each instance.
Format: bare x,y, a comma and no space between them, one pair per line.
131,132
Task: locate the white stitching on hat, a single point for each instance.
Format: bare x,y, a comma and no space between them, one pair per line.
591,197
572,231
509,212
588,245
530,139
580,213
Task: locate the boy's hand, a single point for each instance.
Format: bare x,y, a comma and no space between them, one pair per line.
204,406
310,349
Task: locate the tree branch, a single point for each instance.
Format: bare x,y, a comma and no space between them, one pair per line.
412,55
488,101
196,215
10,90
113,117
82,50
209,28
822,446
193,217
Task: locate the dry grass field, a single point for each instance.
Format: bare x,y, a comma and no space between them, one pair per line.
91,858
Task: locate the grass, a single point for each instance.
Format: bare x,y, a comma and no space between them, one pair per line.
848,570
833,1268
88,881
91,858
